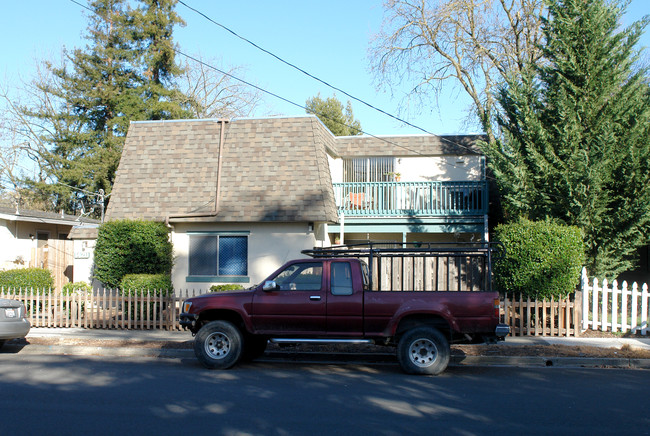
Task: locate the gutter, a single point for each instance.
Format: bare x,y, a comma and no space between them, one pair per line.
217,193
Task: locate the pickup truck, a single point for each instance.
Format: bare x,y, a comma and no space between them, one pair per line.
334,297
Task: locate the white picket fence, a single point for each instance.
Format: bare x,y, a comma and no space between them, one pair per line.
613,308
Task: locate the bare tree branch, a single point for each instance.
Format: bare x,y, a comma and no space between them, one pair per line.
214,95
475,44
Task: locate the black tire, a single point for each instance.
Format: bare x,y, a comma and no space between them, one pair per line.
254,347
423,351
218,345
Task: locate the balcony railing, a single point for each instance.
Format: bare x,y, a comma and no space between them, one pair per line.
411,198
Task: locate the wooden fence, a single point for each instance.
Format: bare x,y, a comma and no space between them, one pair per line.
104,309
610,308
589,308
552,317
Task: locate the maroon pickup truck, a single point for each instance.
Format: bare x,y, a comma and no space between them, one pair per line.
332,298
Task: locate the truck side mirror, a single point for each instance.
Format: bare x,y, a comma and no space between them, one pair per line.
270,285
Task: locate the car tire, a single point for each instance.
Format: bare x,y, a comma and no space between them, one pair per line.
423,351
218,345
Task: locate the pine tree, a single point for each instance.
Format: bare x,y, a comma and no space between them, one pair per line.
576,136
330,112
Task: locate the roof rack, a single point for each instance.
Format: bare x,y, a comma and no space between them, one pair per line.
489,251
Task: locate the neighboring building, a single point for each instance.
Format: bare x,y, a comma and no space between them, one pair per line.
39,239
242,197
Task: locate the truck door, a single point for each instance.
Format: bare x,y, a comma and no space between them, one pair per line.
297,306
345,300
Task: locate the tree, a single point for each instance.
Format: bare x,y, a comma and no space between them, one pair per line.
77,112
475,44
576,144
211,94
330,112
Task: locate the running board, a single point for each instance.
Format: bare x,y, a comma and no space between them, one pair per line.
320,341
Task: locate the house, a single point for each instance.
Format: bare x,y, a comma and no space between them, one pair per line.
40,239
242,197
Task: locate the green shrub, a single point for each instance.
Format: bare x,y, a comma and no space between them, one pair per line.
140,284
26,279
541,259
131,247
223,288
76,288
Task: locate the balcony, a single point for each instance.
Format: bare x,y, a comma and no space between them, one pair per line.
419,199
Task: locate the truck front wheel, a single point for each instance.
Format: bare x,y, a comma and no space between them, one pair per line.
218,345
423,351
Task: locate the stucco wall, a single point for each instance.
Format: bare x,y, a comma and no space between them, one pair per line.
18,239
84,251
427,168
440,168
269,246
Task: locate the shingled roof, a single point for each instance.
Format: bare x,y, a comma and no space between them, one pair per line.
272,169
408,145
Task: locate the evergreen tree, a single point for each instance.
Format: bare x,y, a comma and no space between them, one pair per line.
330,112
576,134
124,74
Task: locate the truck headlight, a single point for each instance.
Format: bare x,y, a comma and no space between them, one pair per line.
186,306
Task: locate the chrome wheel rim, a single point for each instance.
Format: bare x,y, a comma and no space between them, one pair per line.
423,352
217,345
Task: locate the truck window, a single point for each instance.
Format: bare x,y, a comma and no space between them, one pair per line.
341,278
366,276
301,277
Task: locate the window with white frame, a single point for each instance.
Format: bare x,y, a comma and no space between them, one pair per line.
368,169
218,255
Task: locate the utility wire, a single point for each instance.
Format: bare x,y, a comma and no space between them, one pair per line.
416,152
313,76
298,68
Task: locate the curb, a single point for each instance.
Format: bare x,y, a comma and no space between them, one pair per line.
332,359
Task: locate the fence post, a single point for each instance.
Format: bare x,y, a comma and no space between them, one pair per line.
584,290
603,325
578,303
634,306
615,306
644,309
624,307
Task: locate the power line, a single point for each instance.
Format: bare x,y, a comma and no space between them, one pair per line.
313,76
178,51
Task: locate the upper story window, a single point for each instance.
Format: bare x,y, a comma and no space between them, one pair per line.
368,169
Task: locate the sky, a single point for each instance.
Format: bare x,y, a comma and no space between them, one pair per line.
329,39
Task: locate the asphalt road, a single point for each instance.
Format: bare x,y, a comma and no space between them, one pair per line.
72,395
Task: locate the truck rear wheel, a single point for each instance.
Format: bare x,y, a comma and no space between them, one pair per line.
218,345
423,351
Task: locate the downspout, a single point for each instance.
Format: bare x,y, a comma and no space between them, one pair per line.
215,212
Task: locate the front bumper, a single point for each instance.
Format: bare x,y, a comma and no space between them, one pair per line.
188,320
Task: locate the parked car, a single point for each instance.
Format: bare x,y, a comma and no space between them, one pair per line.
13,321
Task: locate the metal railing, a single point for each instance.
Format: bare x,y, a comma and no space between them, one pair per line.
411,198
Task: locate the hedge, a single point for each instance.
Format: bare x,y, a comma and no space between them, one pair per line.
140,284
39,279
76,288
225,288
542,259
131,247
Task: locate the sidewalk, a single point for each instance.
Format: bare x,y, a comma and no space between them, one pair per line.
178,344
